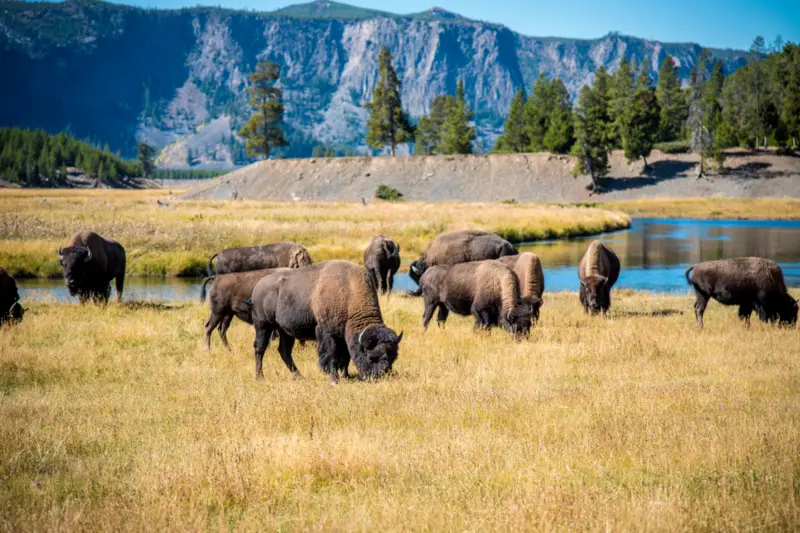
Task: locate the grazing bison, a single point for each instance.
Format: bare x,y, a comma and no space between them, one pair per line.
279,255
10,308
227,298
382,261
487,290
332,303
460,247
90,263
528,269
752,283
598,271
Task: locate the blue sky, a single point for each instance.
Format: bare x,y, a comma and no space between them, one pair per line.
714,23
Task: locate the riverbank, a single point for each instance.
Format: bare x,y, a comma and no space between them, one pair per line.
639,422
709,208
168,236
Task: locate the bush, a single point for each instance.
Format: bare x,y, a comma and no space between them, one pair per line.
674,147
384,192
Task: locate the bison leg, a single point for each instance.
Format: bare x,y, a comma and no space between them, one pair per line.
582,298
120,283
342,357
700,308
441,316
326,348
606,299
427,315
213,321
379,285
263,334
223,330
745,310
389,281
285,347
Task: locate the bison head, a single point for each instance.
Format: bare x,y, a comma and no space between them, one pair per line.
787,312
417,269
374,350
594,291
520,319
74,259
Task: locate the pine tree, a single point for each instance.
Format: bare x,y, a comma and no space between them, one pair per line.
591,133
701,140
640,127
558,137
757,51
536,114
388,124
145,157
671,100
514,137
429,129
458,134
263,130
713,118
623,88
790,114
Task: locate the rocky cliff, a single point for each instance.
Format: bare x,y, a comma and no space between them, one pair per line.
177,78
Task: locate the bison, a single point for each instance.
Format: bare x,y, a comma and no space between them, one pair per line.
598,271
227,298
460,247
487,290
528,269
382,261
279,255
752,283
90,262
333,303
10,308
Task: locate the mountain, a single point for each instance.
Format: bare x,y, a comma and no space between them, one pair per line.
176,78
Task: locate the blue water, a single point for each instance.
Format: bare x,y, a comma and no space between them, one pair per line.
654,254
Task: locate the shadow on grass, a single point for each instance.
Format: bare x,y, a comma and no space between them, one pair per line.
152,306
656,313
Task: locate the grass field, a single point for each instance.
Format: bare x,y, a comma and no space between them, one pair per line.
730,208
122,421
178,240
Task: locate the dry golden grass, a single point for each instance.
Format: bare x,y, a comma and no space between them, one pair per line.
733,208
118,419
180,238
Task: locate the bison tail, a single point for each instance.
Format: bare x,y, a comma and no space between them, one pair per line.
688,278
211,267
203,288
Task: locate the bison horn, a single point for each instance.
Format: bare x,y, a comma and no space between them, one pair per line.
361,335
60,252
88,254
583,283
414,268
400,337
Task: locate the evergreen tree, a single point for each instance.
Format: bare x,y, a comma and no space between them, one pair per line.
536,114
591,133
757,51
623,87
790,114
558,137
713,118
388,124
264,129
514,137
145,157
429,130
671,100
458,134
640,127
701,140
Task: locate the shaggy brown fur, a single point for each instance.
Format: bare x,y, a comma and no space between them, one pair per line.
278,255
90,263
10,308
598,271
528,269
382,261
487,290
461,247
752,283
228,298
333,303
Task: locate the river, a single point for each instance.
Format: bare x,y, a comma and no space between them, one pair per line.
654,254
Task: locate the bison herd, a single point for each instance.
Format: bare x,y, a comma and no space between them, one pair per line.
278,290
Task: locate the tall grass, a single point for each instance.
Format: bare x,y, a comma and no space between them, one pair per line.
122,421
714,208
178,239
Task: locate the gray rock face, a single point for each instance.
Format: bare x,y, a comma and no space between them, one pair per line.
116,74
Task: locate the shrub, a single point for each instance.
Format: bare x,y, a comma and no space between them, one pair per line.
384,192
674,147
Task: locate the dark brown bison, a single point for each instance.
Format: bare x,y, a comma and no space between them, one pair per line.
382,261
752,283
598,271
10,308
227,298
528,269
90,263
487,290
279,255
332,303
460,247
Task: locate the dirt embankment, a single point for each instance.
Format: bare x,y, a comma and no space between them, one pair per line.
496,177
